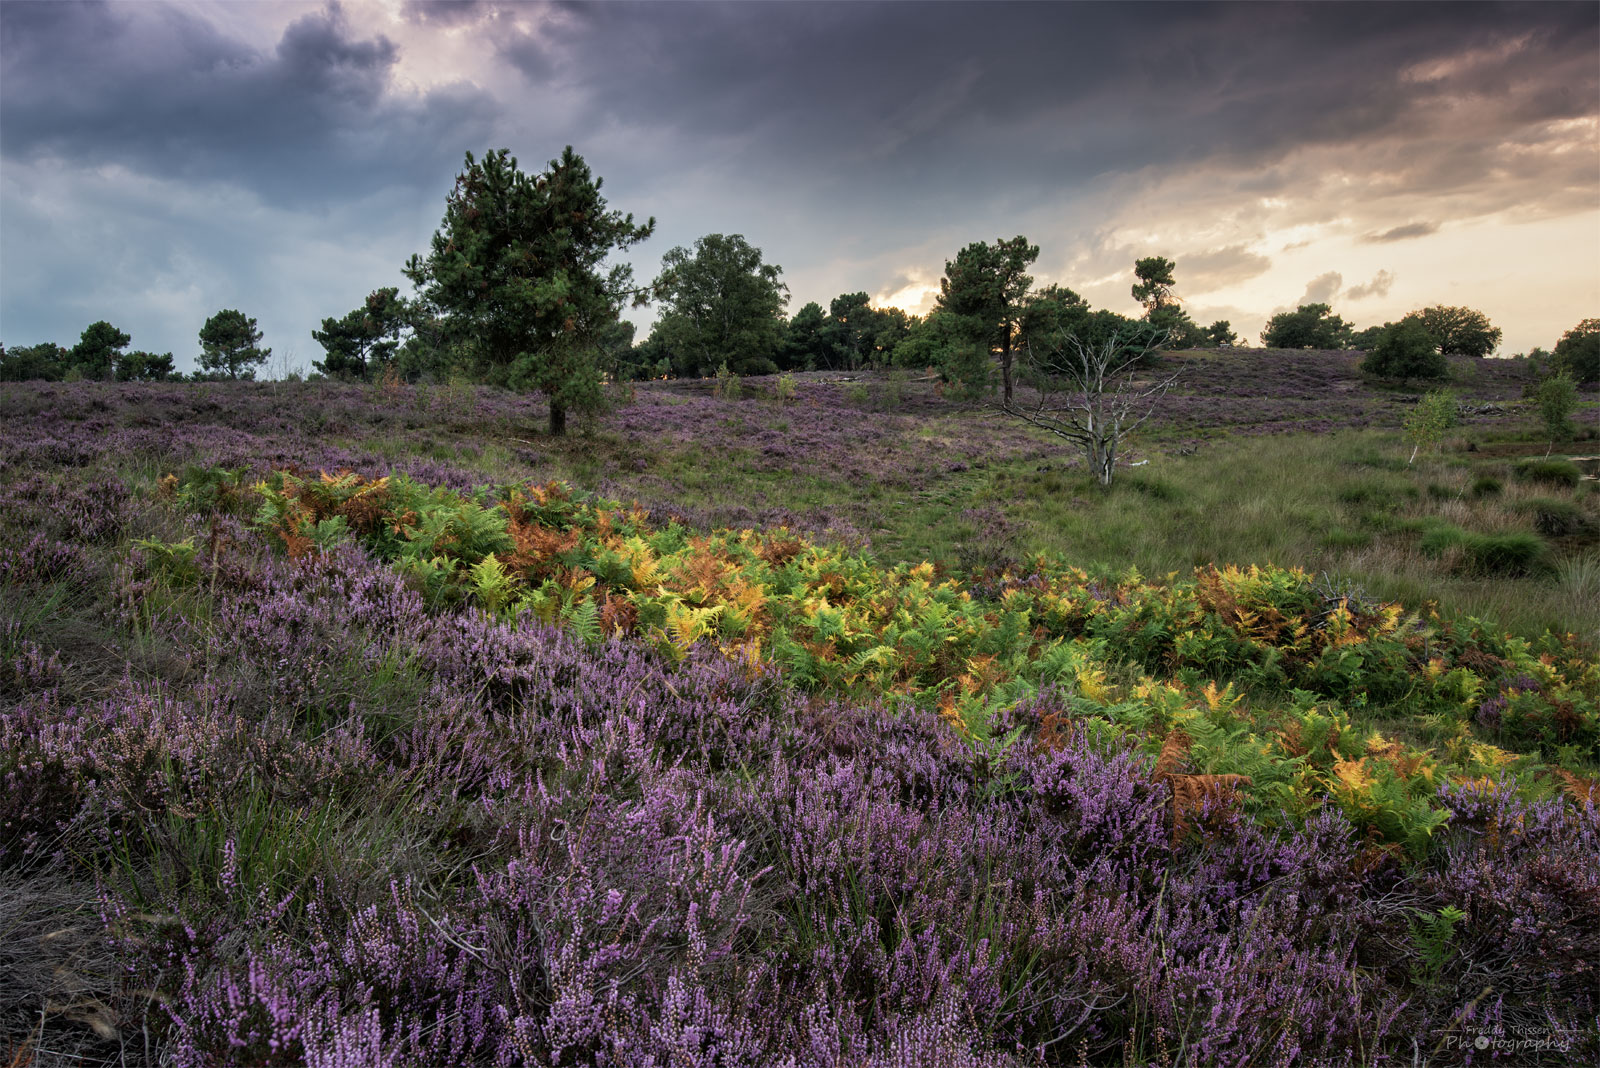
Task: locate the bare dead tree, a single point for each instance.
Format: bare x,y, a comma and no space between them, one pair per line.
1088,394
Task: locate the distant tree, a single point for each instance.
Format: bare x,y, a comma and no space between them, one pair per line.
984,288
364,340
1221,333
1558,399
139,366
1174,323
514,276
1578,352
806,346
923,346
616,348
721,305
1154,288
1088,394
1458,331
431,352
853,329
1311,326
893,327
97,351
1050,314
1365,339
46,362
946,343
230,346
1405,351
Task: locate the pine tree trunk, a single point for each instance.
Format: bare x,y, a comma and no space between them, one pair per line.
558,419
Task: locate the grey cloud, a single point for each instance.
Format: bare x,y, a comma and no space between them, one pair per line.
1205,271
1401,233
1378,287
1321,289
162,91
918,105
449,13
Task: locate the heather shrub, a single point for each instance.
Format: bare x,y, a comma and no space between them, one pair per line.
608,791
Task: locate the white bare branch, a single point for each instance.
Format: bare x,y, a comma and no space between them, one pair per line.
1088,396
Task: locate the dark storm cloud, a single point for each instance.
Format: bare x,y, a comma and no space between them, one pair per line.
1036,95
162,91
449,12
1401,233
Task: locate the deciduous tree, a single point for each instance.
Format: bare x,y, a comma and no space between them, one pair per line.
721,305
1089,395
515,272
805,344
1578,352
1458,331
1426,424
46,362
1404,350
1311,326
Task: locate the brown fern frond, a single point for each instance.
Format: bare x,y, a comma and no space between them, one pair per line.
1208,796
1174,751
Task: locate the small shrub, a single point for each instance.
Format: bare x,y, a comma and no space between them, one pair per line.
1406,351
1441,538
1512,554
1553,472
786,388
1486,486
1558,399
1426,424
1556,518
727,386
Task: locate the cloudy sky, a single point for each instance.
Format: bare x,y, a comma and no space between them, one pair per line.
160,161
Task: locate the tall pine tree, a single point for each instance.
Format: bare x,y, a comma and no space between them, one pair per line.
515,271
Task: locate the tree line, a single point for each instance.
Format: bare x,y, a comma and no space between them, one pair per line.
514,291
230,348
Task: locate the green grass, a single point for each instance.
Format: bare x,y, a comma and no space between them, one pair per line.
1551,472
